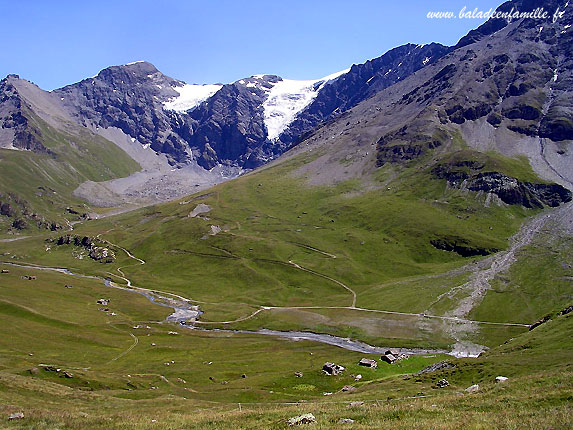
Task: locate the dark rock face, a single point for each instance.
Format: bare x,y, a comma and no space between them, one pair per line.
229,126
441,365
333,369
458,114
508,189
512,191
460,246
360,83
514,77
13,117
95,249
408,143
20,212
492,25
525,89
131,98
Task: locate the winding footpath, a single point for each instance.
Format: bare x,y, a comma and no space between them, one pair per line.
347,288
128,350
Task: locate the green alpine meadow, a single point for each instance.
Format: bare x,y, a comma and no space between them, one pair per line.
389,246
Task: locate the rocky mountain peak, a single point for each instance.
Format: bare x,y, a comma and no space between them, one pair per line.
17,131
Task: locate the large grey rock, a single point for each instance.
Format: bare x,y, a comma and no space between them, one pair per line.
472,389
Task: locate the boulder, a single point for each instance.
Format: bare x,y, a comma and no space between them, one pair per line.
298,374
368,363
472,389
332,369
301,419
348,389
201,208
5,271
358,377
500,379
16,416
103,302
345,421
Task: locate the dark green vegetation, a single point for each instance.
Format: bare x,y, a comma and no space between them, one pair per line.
36,187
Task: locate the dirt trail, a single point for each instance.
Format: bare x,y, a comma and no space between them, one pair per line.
481,279
245,318
310,248
416,315
347,288
128,350
13,239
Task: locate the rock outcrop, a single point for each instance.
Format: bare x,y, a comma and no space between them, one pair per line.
333,369
96,249
470,175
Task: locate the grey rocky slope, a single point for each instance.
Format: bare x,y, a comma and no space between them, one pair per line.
507,90
361,82
130,98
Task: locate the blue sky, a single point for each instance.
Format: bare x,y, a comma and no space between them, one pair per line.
54,43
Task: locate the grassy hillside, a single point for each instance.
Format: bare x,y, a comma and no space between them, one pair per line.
43,183
353,259
120,379
340,259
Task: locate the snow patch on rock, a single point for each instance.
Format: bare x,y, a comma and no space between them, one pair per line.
287,98
190,96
